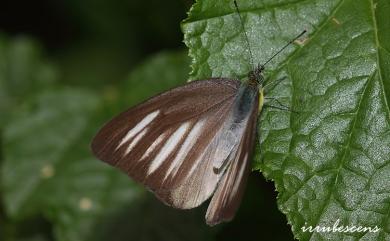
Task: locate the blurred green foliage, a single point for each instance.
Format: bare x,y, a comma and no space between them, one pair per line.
62,75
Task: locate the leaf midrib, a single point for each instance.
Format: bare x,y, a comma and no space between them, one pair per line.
385,217
377,54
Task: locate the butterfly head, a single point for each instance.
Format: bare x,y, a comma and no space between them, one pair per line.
256,77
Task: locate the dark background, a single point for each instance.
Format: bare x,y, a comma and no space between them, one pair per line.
95,44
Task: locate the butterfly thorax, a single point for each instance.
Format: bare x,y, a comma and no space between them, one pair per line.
244,101
255,77
256,80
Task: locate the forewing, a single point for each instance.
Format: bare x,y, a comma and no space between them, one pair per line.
228,195
167,141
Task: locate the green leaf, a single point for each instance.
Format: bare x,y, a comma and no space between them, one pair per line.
23,70
49,169
331,160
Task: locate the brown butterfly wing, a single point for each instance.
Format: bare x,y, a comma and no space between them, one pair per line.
167,142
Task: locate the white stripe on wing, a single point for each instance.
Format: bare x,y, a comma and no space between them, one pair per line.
185,148
135,141
168,147
239,177
141,125
153,146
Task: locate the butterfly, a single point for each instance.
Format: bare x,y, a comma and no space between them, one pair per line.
191,143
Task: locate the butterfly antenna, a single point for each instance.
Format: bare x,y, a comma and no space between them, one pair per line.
245,34
285,46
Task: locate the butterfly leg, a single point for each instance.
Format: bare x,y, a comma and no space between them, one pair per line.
277,101
272,84
280,107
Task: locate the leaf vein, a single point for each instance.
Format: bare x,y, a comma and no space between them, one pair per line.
341,163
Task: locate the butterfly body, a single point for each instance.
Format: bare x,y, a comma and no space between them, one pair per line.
243,103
